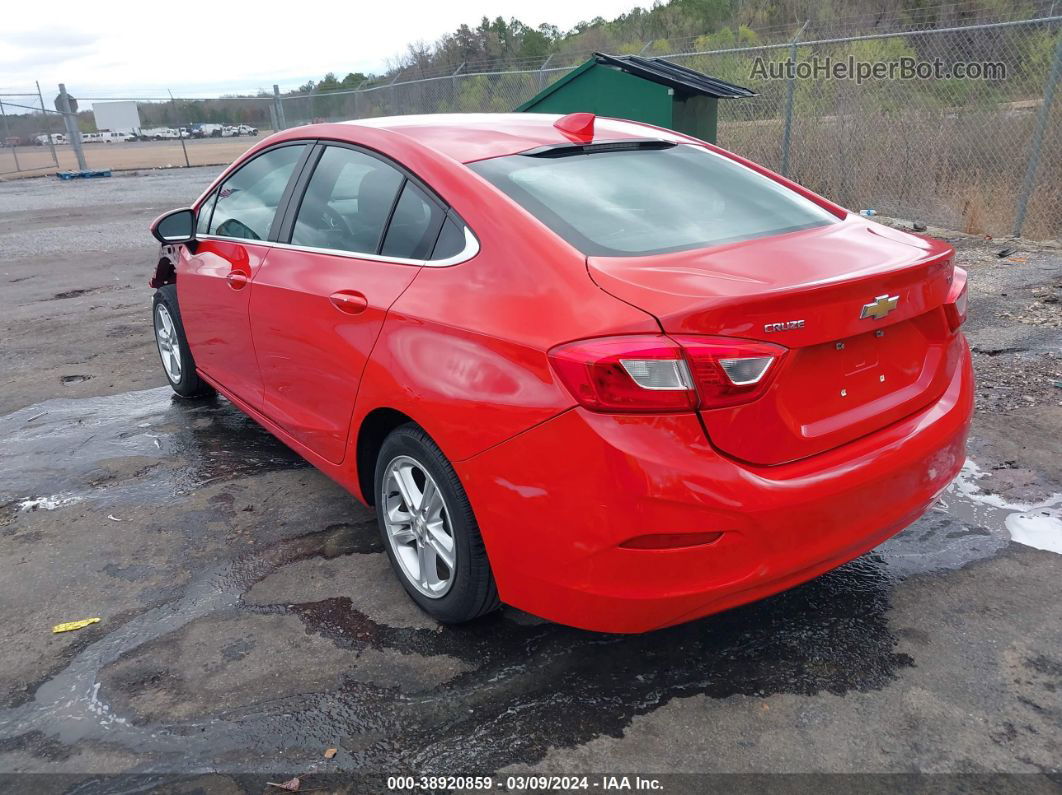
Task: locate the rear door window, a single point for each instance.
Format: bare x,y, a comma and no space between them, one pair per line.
451,240
414,225
248,200
347,202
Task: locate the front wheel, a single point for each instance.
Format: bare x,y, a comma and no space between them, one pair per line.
429,530
177,361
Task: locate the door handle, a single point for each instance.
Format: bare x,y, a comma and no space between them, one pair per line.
237,280
349,301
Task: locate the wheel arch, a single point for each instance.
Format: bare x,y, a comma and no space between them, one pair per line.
374,428
166,268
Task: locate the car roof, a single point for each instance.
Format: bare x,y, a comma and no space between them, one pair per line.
467,137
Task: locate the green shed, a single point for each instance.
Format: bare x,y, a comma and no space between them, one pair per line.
649,90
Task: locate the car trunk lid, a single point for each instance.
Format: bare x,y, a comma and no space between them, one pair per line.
857,305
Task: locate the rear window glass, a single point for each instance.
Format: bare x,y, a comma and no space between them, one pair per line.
451,240
414,225
649,201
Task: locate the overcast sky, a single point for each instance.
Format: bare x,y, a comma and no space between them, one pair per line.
121,48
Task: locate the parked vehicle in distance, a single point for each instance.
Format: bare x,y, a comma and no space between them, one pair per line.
106,137
56,138
159,134
202,130
229,131
246,129
597,370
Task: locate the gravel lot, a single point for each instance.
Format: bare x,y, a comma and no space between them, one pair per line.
250,620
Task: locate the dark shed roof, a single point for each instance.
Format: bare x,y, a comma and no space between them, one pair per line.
674,76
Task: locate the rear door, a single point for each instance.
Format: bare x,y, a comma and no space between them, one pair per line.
234,230
357,232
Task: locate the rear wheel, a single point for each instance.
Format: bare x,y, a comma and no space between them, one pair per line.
429,530
177,361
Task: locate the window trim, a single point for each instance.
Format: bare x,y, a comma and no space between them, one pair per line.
470,250
294,203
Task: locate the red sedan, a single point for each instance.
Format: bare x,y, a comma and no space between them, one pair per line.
597,370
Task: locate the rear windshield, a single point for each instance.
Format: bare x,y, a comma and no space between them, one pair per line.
649,201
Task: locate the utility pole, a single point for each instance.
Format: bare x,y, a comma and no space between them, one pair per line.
72,131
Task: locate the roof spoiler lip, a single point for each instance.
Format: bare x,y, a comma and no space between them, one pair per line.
591,147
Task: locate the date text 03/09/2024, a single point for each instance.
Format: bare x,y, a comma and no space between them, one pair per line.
604,783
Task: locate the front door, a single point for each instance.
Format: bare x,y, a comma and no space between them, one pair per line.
233,234
319,303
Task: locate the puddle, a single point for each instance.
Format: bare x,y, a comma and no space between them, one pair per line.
127,448
524,686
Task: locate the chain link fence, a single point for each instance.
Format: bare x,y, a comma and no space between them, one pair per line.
28,134
979,154
961,153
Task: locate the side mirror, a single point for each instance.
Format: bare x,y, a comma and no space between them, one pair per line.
176,226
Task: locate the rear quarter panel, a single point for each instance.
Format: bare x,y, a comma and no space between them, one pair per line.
463,350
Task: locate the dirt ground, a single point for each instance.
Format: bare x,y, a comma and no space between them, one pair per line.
250,620
24,161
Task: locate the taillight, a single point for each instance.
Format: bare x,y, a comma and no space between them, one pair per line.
661,374
730,371
626,374
955,305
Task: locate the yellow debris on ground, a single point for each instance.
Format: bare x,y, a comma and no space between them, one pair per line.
70,626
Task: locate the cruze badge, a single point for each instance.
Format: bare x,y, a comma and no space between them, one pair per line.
789,325
880,306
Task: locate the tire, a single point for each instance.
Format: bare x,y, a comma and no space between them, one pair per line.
177,362
469,591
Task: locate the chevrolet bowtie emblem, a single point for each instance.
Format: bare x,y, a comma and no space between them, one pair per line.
880,306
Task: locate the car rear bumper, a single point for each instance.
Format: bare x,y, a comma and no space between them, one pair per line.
555,503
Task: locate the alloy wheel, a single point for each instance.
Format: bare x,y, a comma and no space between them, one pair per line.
169,346
418,527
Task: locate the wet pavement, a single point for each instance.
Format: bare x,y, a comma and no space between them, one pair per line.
250,619
261,637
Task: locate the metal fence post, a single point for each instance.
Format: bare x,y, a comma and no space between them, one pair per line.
357,98
72,131
278,105
542,71
180,130
47,125
1029,183
790,92
14,144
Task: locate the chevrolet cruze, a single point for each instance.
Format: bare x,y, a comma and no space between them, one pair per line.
603,372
